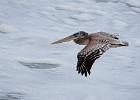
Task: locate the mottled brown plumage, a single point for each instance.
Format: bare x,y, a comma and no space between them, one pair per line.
96,45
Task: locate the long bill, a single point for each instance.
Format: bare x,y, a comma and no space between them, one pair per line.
66,39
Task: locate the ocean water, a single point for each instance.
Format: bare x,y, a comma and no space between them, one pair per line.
33,69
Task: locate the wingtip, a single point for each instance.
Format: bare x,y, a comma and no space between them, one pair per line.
83,73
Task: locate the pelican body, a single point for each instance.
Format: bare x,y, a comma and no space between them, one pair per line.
96,45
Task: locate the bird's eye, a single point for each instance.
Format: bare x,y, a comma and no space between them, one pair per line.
77,34
81,33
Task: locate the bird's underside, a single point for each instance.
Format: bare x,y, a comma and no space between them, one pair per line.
96,45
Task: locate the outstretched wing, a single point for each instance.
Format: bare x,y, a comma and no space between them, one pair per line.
87,56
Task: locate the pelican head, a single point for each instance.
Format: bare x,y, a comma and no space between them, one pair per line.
75,36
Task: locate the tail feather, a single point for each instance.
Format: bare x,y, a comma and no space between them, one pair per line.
124,44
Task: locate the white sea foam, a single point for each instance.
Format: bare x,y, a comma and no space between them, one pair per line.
83,10
136,9
69,22
113,77
65,7
45,13
118,23
131,12
49,9
137,42
4,28
22,2
3,15
135,3
100,12
44,61
32,14
82,17
53,29
91,98
83,1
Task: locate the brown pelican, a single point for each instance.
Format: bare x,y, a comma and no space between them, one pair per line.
96,45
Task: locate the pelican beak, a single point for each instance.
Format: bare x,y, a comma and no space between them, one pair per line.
66,39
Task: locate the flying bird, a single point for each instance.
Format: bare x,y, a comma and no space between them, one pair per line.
96,45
